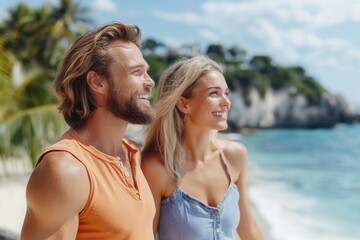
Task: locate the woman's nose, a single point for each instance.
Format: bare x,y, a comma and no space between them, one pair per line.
226,101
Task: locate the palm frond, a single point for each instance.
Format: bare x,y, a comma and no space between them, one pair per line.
26,133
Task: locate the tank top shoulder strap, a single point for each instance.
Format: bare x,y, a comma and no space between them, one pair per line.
222,157
178,176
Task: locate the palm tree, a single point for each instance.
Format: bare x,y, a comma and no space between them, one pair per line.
216,52
41,35
68,20
5,72
31,45
29,119
14,32
65,23
237,53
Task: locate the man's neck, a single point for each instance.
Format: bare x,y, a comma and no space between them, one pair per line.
105,132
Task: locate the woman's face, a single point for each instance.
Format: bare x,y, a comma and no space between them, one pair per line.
209,104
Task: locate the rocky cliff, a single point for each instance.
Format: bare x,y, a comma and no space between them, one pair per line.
286,108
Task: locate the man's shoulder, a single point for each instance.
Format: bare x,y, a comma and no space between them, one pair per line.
65,141
60,171
58,180
64,147
60,162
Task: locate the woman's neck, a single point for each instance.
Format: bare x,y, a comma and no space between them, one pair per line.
198,145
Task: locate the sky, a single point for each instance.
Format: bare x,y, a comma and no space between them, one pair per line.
322,36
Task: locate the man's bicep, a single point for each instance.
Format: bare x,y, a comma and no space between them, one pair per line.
35,227
57,191
44,220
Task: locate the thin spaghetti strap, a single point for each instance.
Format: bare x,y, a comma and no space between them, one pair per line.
222,157
178,176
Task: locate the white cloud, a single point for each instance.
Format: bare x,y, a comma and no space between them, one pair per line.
286,29
104,6
210,35
173,42
184,17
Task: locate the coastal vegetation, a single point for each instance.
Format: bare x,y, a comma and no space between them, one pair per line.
32,43
34,39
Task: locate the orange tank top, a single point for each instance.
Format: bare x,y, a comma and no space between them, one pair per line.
115,209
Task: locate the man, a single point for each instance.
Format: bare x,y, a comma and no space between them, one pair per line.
89,184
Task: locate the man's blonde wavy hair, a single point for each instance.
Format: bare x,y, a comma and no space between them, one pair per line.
88,53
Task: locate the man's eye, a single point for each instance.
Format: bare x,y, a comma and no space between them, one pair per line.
136,72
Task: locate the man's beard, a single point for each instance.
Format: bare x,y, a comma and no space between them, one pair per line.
128,109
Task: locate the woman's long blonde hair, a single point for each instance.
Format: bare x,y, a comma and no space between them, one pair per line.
164,135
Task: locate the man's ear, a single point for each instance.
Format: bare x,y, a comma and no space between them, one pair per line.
96,83
182,105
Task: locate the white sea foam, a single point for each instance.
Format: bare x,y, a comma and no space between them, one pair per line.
285,210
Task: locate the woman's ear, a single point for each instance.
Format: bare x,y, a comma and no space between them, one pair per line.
96,83
182,105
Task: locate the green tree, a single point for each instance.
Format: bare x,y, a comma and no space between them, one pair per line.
216,52
29,119
236,53
150,45
262,63
14,31
40,35
33,42
157,66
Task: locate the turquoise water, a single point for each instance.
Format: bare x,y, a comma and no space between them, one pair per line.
307,182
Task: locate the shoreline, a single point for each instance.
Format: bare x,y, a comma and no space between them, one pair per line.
263,224
252,183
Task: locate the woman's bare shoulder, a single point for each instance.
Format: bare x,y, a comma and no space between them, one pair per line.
232,148
235,153
152,160
155,172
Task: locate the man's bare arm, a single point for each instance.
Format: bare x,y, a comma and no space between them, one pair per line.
57,191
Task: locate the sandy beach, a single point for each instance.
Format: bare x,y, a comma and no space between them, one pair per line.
12,195
13,202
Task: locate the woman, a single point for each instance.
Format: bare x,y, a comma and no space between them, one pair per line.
197,180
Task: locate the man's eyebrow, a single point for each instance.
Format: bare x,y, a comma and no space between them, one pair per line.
146,66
